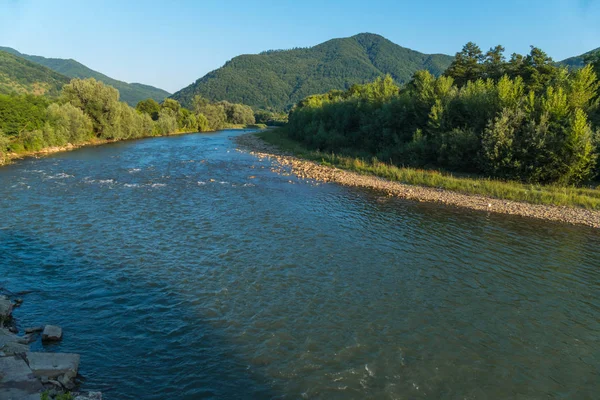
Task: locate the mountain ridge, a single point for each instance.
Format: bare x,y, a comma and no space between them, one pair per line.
577,61
277,79
131,93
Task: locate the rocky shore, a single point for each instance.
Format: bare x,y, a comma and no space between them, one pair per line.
305,169
28,375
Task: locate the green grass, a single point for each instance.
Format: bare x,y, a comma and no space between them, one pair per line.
587,198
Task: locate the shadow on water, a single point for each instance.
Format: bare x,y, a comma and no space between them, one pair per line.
139,338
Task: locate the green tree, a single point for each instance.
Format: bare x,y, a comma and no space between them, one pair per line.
4,142
495,63
97,101
172,105
167,122
150,107
538,70
238,114
214,113
466,65
202,121
67,124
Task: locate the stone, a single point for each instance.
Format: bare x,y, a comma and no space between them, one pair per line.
17,380
87,396
34,329
9,343
53,365
66,382
52,333
13,329
53,382
6,308
27,339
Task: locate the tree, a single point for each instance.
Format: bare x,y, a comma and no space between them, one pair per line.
583,88
97,101
150,107
494,63
238,114
214,113
186,120
538,70
593,59
171,105
202,121
262,116
4,142
67,124
167,122
466,65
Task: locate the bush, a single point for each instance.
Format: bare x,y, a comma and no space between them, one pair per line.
67,124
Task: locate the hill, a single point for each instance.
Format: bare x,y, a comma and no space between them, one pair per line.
277,79
131,93
22,76
578,61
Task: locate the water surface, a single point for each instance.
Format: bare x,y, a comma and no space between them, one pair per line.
181,268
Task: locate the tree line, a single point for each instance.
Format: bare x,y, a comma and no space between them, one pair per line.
523,119
88,110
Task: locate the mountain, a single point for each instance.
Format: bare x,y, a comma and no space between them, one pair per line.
578,61
277,79
23,76
131,93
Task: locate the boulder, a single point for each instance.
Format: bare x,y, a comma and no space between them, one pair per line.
17,381
34,329
66,382
52,333
6,308
10,343
53,365
27,339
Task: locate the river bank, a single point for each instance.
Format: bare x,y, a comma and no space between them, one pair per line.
10,157
31,375
307,169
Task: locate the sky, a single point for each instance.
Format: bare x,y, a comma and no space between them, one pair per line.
170,44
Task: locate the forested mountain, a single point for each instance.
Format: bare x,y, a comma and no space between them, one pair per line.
22,76
277,79
131,93
578,61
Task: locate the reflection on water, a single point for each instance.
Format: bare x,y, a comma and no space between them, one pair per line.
181,268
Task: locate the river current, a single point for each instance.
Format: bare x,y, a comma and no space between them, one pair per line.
181,268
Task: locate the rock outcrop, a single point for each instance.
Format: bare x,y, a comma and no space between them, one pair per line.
25,375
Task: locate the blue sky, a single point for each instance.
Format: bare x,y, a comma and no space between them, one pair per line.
170,44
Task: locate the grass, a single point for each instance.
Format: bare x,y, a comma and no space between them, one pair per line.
586,198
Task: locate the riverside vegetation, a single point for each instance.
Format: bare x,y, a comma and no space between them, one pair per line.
526,128
88,111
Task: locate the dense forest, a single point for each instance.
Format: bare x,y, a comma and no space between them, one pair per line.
130,93
18,75
276,80
524,119
88,110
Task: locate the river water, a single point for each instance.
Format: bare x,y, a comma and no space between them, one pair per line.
180,268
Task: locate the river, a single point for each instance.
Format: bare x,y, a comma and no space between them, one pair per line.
180,268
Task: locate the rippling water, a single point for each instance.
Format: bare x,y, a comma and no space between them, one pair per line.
180,268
